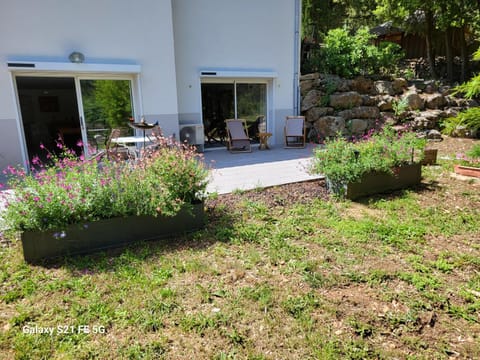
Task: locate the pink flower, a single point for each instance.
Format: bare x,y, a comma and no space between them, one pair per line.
79,143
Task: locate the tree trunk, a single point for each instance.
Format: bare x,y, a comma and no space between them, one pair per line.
463,54
429,42
449,52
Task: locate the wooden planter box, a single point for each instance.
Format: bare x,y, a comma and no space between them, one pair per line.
376,183
467,170
108,233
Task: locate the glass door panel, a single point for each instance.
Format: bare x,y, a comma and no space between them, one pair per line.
252,106
107,105
218,104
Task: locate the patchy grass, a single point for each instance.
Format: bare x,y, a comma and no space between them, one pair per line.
270,277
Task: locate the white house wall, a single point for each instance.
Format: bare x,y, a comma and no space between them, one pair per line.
105,31
248,36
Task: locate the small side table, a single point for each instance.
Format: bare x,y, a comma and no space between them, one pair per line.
264,136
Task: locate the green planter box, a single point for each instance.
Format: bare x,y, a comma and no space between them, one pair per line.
109,233
376,183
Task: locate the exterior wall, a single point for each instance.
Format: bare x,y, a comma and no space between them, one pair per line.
248,35
107,31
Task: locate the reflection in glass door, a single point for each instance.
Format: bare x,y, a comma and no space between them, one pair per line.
252,106
107,105
221,101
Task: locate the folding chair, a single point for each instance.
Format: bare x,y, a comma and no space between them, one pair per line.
294,131
237,136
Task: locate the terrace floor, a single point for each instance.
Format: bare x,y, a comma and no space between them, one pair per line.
260,168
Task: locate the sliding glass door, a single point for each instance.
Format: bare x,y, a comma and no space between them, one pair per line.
228,100
80,112
106,104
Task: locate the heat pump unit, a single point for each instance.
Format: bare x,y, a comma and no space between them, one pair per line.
192,134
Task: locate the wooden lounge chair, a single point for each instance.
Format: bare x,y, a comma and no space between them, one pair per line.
295,132
237,136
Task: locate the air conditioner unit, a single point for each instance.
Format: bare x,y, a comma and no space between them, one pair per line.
192,134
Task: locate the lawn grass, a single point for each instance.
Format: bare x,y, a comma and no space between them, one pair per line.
394,276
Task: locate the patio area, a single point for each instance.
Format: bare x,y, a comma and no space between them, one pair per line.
260,168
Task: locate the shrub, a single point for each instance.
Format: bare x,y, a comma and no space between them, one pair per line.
350,55
342,161
73,190
468,121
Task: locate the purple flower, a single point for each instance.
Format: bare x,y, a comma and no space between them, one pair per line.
80,143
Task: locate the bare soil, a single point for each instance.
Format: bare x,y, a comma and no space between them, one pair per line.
305,191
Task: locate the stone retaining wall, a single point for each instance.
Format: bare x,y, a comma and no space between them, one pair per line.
352,107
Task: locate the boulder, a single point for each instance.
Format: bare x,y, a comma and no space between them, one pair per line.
414,101
330,125
361,112
368,100
399,85
310,100
385,103
306,86
427,119
312,76
435,101
434,135
383,87
357,126
315,113
345,100
362,85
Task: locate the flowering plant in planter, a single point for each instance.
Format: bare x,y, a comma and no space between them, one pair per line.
344,162
471,158
71,189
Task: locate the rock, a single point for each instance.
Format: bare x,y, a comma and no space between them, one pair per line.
368,100
385,103
357,126
315,113
429,118
445,90
310,100
434,135
330,125
345,100
362,85
389,118
384,87
435,101
361,112
306,86
414,101
430,87
312,76
399,85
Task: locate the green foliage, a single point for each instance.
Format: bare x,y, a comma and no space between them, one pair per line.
350,55
400,106
76,190
468,119
114,99
342,161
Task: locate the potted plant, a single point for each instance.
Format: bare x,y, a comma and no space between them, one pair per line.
74,205
469,163
384,161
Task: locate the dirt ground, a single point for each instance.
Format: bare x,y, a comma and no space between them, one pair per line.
303,192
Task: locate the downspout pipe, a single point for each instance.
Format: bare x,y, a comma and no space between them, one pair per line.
296,58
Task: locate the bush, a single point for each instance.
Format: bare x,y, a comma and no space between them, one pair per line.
343,162
350,55
74,190
467,121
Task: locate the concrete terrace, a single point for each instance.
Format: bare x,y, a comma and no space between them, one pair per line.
260,168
